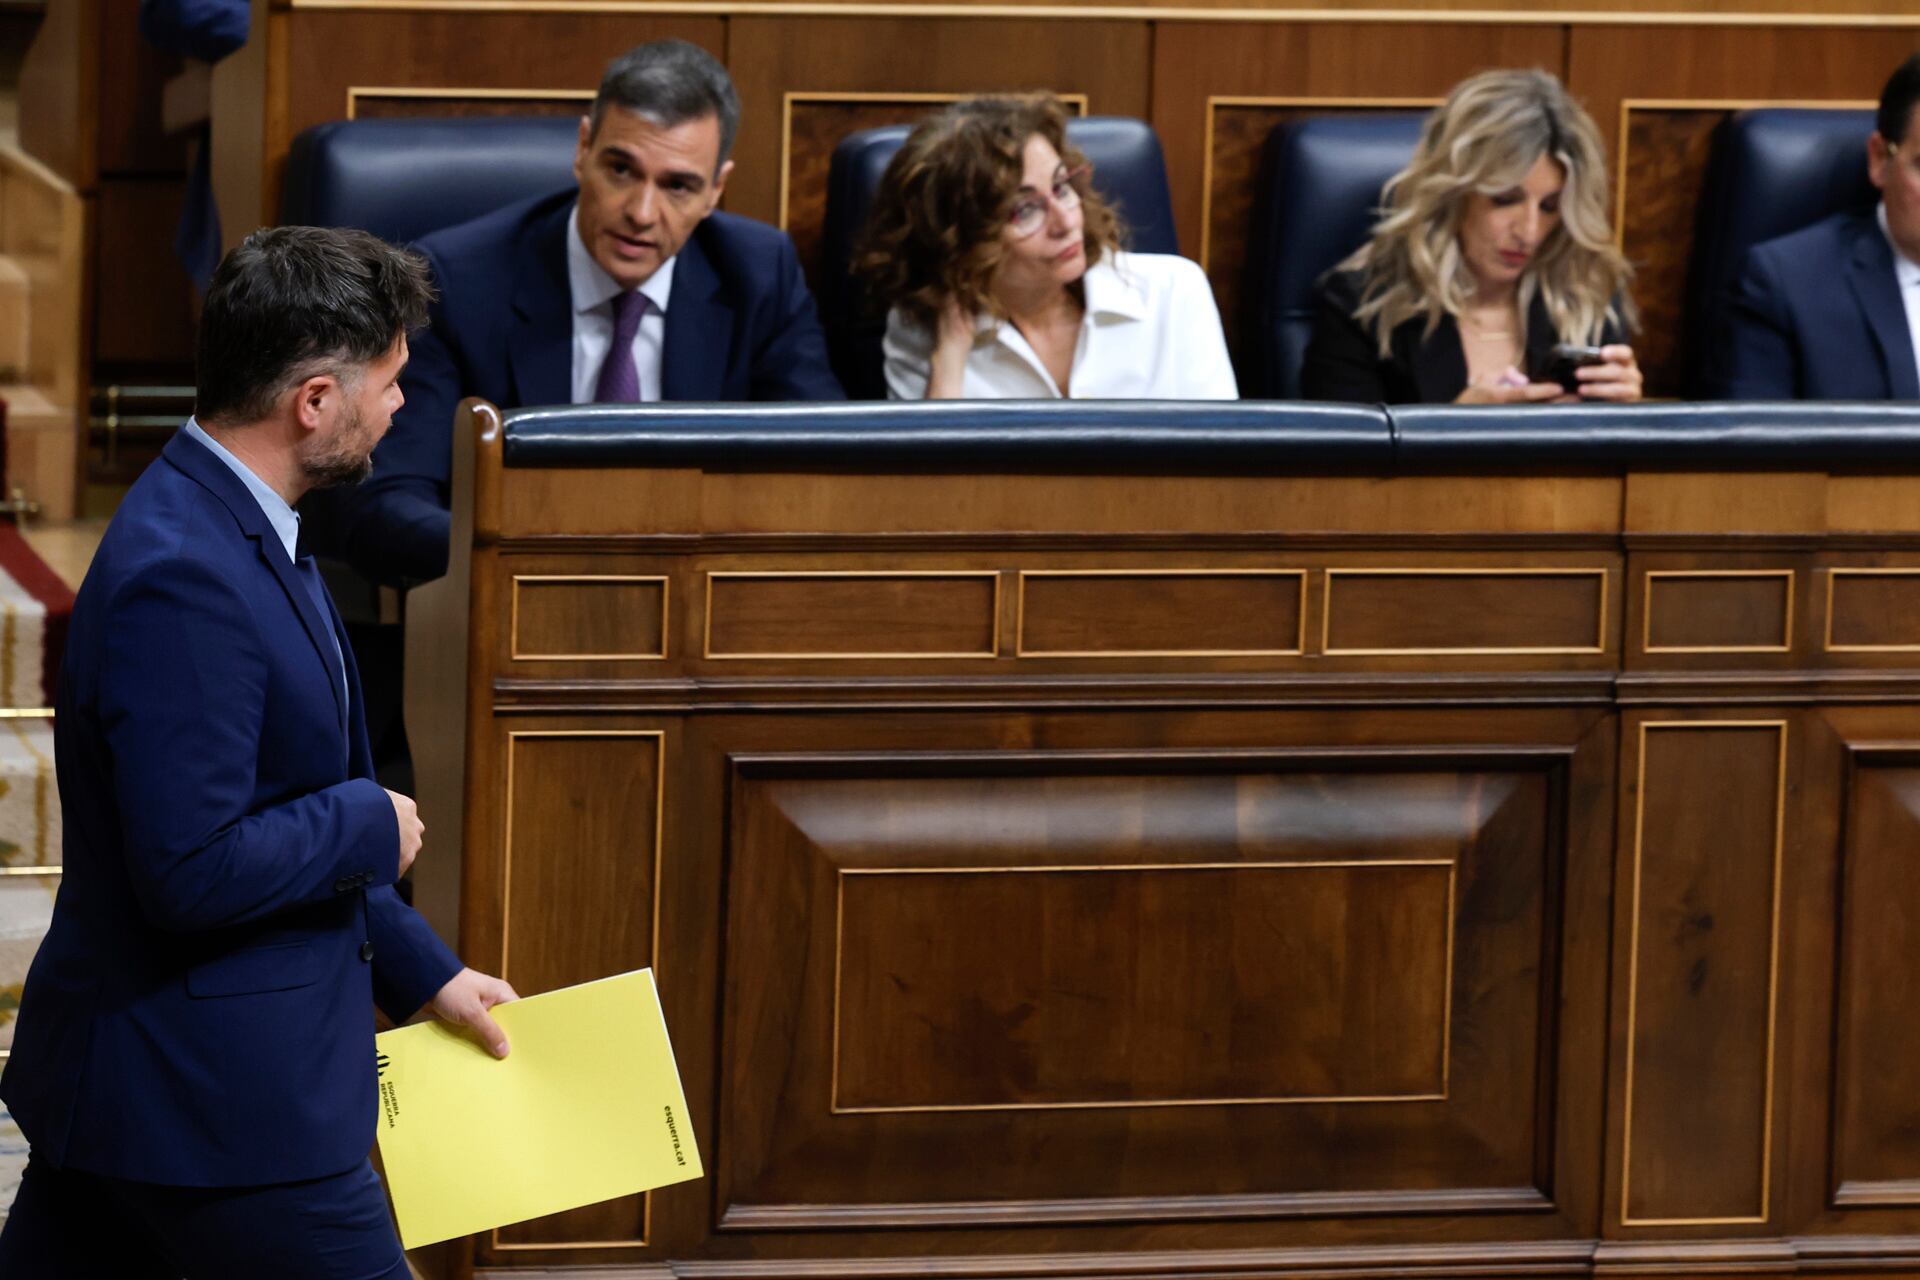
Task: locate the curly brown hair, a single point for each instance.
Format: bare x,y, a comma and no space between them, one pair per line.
938,217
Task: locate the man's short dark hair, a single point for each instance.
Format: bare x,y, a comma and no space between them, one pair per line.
293,302
669,82
1898,100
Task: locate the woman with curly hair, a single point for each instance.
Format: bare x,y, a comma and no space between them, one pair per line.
1493,247
1003,276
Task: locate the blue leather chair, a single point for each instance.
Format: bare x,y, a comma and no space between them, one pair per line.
1129,171
1316,200
401,179
1772,171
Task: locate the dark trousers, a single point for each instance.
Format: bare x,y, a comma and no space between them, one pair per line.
68,1225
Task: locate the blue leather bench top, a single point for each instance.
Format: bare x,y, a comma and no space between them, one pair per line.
1118,437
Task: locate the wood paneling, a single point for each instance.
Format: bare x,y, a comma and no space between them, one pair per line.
1876,1145
389,104
131,140
143,309
1085,965
1426,611
582,861
458,53
1702,916
1152,612
1718,610
925,614
1106,61
1035,954
1873,610
587,617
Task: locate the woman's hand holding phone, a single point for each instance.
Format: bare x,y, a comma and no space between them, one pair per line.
1615,378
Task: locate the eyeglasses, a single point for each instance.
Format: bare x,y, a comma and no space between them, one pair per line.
1030,213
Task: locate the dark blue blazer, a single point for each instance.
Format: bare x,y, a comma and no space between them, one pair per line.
202,1010
740,326
1816,315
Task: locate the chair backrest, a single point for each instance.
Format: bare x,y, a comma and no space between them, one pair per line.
401,179
1316,200
1772,171
1129,171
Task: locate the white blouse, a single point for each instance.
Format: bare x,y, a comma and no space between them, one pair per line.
1151,332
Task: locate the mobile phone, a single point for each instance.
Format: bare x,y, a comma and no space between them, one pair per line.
1561,362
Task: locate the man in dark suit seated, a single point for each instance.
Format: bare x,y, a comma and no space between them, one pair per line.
631,288
1832,312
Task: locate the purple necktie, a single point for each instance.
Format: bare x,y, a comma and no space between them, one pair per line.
619,378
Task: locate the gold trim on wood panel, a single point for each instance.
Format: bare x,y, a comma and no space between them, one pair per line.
1630,105
1144,13
1864,572
1326,608
1446,995
1646,611
1078,101
653,929
1020,614
513,616
706,636
1215,100
1633,974
355,92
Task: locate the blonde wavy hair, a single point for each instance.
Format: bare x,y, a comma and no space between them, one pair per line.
1484,138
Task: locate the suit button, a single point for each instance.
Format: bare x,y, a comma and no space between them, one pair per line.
343,884
366,951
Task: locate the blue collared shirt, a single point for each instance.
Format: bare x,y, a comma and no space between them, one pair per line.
284,519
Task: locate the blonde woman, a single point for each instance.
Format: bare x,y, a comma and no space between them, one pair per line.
1493,248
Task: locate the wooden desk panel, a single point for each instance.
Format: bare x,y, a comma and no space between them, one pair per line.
1042,959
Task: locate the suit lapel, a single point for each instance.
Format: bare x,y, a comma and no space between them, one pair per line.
1878,291
540,349
186,453
699,330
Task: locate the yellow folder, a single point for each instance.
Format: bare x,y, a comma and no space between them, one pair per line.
586,1107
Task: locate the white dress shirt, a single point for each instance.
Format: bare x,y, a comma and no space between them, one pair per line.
593,292
1151,332
1907,273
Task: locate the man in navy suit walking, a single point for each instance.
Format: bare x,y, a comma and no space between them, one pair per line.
630,288
193,1061
1832,312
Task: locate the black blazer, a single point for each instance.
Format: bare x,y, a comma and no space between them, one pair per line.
1343,360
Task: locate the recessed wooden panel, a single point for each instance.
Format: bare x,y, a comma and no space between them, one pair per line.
581,894
1422,611
370,102
814,124
1703,942
1873,610
908,61
1718,611
1123,982
143,312
586,618
1663,161
1876,1140
1083,965
1112,613
853,615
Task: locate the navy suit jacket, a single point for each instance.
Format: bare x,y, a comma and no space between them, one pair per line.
740,326
201,1012
1816,315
